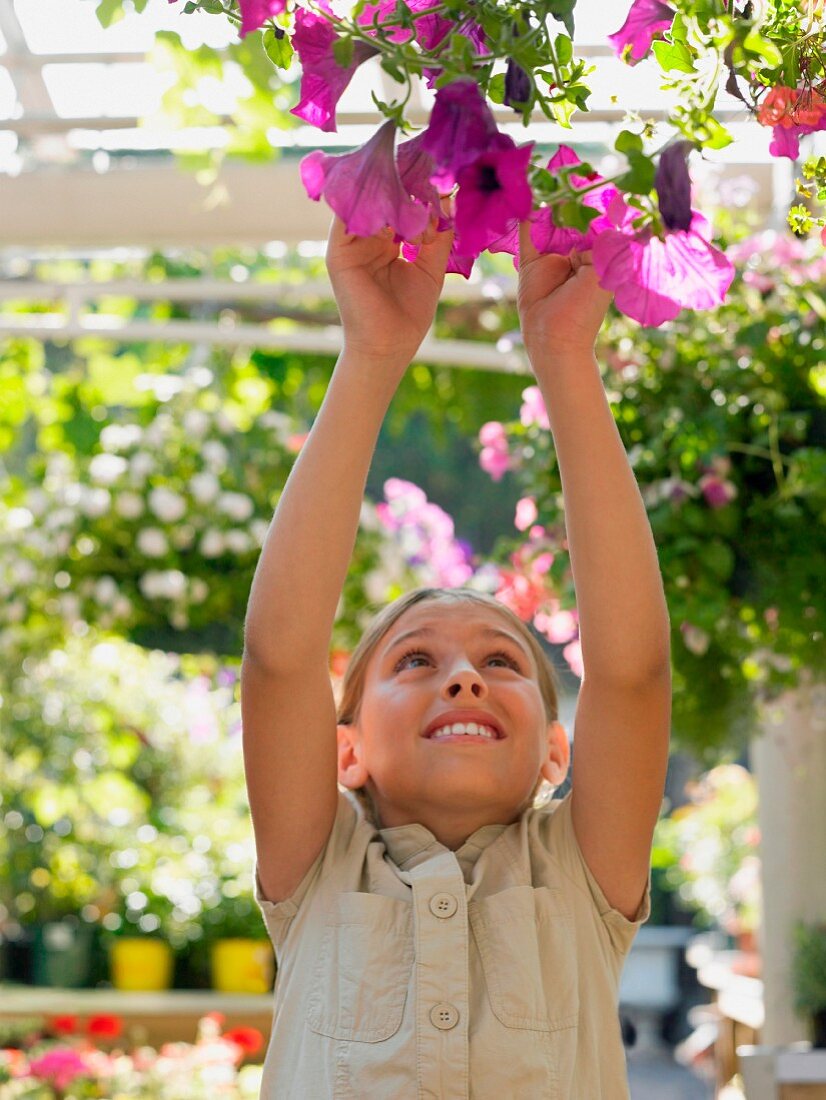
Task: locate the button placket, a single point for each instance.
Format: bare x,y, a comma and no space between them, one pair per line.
442,978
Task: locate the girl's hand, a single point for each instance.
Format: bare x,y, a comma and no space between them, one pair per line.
387,304
560,302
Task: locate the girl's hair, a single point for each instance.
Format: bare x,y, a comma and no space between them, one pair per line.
352,687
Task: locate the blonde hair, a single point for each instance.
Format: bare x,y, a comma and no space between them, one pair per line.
352,688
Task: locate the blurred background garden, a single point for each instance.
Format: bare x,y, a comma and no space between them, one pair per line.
167,332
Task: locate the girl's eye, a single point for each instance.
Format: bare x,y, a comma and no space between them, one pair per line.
417,653
502,656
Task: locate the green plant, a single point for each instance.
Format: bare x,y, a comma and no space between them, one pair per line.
709,848
809,968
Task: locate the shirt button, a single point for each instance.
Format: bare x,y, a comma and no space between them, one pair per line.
444,1016
443,905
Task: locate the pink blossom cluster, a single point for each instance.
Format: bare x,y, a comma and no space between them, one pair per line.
653,274
527,589
425,533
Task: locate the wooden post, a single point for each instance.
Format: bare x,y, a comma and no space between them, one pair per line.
789,758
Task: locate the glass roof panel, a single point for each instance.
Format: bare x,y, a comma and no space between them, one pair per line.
107,91
71,26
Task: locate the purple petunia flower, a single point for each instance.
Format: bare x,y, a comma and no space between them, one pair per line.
645,19
546,235
653,279
364,188
255,13
517,84
492,191
322,78
461,128
673,186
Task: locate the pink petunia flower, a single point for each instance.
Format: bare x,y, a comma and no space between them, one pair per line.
653,279
559,627
532,410
255,13
546,235
493,191
60,1066
526,513
645,20
573,655
461,129
495,458
323,80
364,188
717,491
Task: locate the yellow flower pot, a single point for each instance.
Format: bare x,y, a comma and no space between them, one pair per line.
242,966
140,963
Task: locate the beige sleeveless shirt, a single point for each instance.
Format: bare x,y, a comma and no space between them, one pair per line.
407,970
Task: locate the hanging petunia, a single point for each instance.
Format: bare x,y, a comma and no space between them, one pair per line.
255,13
323,80
364,188
546,235
430,29
493,191
461,128
415,166
645,20
653,279
517,84
673,185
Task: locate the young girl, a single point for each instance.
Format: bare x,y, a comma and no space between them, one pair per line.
437,935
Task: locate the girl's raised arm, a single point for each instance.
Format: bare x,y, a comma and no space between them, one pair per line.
289,727
624,708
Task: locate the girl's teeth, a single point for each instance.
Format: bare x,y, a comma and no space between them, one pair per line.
464,728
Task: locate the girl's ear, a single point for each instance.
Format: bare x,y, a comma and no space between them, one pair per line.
352,771
555,765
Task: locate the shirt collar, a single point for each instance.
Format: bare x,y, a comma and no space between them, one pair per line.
410,845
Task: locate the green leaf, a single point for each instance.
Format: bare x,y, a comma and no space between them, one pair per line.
496,88
109,12
674,56
678,29
639,179
564,49
343,52
755,43
279,50
628,142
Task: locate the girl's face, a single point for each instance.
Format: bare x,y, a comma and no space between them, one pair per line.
440,664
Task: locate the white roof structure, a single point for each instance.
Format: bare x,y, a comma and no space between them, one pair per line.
72,94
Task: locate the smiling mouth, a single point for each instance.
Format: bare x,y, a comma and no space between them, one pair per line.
472,738
461,731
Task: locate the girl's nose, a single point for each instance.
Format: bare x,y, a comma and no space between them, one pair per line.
464,681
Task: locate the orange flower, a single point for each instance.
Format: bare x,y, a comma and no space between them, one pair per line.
789,107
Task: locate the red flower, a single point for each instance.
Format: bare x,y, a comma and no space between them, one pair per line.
249,1039
104,1027
63,1025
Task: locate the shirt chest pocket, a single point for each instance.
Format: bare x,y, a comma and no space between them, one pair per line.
527,945
362,973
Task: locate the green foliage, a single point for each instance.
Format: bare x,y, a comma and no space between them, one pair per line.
809,968
723,418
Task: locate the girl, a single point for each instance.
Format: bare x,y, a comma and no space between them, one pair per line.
437,935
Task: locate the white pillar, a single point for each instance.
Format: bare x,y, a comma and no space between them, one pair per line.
789,758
